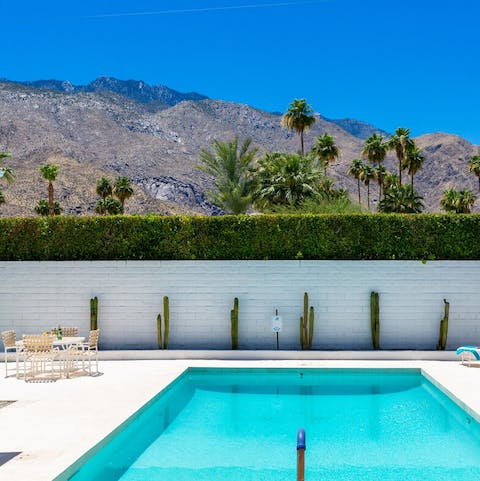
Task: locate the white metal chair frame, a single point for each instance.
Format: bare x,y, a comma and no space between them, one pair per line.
38,350
9,342
88,351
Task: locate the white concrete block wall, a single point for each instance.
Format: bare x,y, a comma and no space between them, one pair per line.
35,296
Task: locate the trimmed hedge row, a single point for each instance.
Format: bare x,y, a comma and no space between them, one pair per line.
360,236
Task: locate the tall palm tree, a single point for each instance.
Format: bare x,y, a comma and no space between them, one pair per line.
123,190
229,164
326,150
355,169
366,176
50,172
401,199
400,142
104,188
414,161
299,117
375,150
380,173
286,179
474,167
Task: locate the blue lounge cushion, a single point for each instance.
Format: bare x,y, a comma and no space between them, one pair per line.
474,350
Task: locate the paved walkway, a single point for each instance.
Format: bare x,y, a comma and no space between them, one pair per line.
52,424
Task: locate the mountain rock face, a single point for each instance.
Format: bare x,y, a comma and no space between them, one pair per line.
357,128
91,134
137,90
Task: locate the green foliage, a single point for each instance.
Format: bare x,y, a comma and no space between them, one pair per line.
286,179
442,339
326,150
307,324
336,205
401,199
375,319
458,201
474,167
2,198
355,170
43,208
356,236
299,117
123,190
229,166
6,173
49,172
234,323
94,313
104,188
109,205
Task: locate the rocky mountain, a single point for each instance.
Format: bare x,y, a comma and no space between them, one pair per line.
158,96
357,128
103,133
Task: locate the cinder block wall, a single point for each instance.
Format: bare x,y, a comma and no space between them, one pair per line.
35,296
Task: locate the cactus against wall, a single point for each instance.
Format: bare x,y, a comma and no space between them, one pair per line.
442,340
234,323
94,313
163,338
375,319
307,324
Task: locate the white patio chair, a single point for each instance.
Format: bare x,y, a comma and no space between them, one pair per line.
9,340
38,350
66,331
86,352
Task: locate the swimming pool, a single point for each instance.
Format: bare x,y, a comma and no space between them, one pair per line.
241,424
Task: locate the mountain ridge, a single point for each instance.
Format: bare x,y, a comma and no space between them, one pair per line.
102,133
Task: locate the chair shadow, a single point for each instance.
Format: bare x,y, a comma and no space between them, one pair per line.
5,457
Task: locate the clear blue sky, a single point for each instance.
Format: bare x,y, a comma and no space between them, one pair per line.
412,63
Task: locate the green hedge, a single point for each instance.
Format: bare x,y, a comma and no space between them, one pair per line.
361,236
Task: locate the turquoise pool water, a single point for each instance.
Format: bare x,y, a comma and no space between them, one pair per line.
241,425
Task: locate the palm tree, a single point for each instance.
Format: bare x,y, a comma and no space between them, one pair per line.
366,175
401,199
375,150
299,117
43,208
326,150
123,190
355,169
104,188
474,167
458,201
389,180
6,173
109,205
380,173
230,166
400,142
50,172
413,161
286,179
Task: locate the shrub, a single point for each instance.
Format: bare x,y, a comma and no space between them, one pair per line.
356,236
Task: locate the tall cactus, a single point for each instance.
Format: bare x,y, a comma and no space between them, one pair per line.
159,331
442,339
163,339
307,324
375,319
234,323
94,313
166,317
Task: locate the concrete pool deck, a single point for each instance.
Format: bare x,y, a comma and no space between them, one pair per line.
52,424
